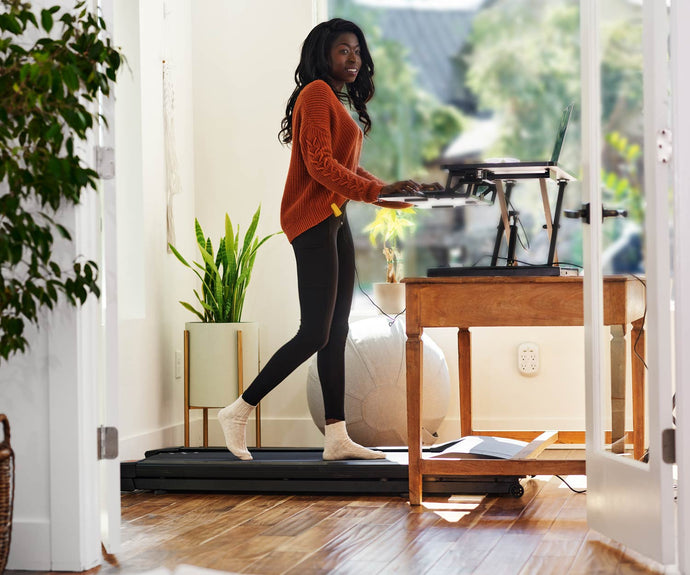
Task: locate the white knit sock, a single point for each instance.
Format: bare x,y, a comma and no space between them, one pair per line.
338,445
233,421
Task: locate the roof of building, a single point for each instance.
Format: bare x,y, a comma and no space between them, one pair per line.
433,34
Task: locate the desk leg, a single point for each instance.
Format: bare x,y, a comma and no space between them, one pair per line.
465,377
637,354
618,388
414,353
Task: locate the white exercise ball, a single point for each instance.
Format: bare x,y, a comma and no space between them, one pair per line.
376,385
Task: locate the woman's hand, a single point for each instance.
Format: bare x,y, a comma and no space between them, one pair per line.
403,188
431,187
408,188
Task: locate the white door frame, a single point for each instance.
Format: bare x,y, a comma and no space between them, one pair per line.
73,372
680,81
623,494
75,368
108,389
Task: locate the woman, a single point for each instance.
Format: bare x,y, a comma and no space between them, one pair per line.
324,174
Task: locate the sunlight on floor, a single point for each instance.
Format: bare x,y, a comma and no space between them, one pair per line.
455,508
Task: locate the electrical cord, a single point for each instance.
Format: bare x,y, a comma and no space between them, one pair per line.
570,486
637,339
524,263
639,335
391,319
526,243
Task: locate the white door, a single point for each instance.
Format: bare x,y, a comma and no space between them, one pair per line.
630,501
680,83
109,471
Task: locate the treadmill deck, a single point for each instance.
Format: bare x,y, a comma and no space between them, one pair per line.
292,470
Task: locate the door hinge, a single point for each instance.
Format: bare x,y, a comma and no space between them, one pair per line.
105,162
668,445
107,442
664,146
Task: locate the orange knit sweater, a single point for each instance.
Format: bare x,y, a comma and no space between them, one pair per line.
324,166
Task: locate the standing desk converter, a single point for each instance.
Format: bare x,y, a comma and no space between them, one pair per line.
466,302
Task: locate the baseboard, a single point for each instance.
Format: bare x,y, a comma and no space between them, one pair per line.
274,433
302,432
30,548
527,423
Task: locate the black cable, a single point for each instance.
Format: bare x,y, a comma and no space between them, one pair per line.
524,231
529,264
570,486
644,319
391,319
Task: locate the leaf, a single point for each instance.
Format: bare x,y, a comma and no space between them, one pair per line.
47,20
229,236
249,236
70,77
189,307
178,255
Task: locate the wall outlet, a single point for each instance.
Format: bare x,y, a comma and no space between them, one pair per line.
178,364
528,359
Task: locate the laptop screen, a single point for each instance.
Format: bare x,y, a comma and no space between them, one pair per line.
562,129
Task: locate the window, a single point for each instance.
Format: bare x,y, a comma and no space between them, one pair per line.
465,80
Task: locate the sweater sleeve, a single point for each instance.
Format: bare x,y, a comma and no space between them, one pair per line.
317,149
369,176
325,169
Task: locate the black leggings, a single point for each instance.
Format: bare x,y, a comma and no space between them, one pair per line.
325,278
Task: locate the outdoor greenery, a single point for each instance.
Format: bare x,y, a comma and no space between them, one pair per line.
226,275
622,185
410,126
527,78
55,64
519,63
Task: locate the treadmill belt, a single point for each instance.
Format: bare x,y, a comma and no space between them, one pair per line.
287,470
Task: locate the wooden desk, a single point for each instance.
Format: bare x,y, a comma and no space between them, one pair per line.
466,302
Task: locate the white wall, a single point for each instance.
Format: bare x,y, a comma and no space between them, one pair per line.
245,55
231,84
148,279
24,399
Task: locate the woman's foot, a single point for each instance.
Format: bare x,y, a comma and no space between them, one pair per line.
338,445
233,421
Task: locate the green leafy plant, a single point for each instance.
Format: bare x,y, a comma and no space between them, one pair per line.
224,276
52,76
622,183
391,226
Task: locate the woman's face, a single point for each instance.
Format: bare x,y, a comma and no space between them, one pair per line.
345,60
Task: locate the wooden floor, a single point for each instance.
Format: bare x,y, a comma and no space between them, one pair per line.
543,532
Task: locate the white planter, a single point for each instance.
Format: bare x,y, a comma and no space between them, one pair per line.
213,361
390,297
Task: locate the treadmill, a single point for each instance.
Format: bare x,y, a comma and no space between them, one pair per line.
302,470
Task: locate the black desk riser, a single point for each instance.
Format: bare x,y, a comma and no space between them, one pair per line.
497,180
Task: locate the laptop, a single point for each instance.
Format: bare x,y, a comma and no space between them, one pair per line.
516,167
469,184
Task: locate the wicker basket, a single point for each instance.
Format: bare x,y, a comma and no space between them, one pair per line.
6,493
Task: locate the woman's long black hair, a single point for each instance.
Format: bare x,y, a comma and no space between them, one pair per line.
315,64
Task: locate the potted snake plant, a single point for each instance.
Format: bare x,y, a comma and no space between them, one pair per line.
218,358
